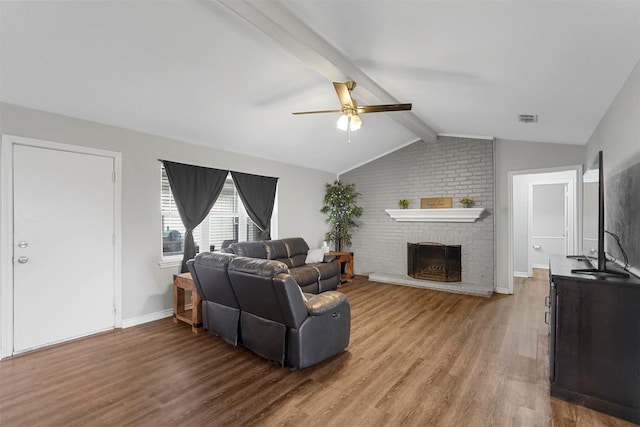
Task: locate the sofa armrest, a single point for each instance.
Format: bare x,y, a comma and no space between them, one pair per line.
329,258
323,303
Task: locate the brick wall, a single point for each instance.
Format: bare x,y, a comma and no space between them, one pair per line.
455,167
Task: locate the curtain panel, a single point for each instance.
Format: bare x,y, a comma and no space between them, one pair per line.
258,195
195,189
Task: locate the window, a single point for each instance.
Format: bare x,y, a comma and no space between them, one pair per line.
228,220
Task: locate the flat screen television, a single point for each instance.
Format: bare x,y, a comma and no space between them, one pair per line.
593,232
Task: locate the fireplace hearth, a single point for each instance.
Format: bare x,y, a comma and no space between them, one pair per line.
434,261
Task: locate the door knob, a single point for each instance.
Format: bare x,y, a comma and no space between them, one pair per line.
23,244
23,260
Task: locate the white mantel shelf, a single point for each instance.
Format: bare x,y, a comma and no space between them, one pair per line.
436,215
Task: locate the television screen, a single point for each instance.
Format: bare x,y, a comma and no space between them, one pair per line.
593,221
590,213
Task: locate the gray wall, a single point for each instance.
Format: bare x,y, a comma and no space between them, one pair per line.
146,288
618,136
513,156
381,183
455,167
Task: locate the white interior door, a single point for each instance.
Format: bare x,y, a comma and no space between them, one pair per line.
549,223
64,256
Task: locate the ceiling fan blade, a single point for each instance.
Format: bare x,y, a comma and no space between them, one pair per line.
383,108
343,94
317,112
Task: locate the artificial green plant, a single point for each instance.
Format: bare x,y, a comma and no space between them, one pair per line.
341,209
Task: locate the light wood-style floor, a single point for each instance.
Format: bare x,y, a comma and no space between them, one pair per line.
417,358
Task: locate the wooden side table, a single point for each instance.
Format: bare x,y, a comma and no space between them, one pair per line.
345,259
183,283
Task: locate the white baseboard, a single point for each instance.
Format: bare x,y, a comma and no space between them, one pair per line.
542,266
133,321
520,274
502,291
146,318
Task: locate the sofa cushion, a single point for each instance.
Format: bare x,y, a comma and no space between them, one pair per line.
329,283
257,267
312,288
305,275
277,250
297,250
327,269
249,249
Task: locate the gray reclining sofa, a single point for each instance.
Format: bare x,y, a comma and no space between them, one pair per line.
312,278
257,303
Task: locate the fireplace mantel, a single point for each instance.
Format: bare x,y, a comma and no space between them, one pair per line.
436,215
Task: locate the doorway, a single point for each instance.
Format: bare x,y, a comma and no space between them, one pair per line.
543,217
549,228
60,254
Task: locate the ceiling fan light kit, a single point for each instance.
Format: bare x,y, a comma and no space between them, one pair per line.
349,120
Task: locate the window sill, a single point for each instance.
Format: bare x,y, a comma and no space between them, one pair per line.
170,263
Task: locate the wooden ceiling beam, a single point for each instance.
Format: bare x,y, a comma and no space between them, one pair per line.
285,28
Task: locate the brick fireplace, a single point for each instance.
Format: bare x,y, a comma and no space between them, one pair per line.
434,261
456,167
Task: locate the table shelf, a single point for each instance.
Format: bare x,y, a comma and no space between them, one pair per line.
183,285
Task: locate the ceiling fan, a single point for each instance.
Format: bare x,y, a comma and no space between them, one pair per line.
349,120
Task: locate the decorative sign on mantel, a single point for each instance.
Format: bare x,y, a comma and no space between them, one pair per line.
436,202
436,215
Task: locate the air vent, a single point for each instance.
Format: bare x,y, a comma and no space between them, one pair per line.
528,118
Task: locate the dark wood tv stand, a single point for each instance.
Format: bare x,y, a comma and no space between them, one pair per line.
594,339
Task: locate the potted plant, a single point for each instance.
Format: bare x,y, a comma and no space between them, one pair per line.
466,202
403,203
341,209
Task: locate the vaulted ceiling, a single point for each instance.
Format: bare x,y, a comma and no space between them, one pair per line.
229,73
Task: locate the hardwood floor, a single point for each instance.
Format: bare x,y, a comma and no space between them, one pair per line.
416,358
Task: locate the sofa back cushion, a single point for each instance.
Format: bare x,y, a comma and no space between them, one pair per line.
210,276
297,250
291,251
251,280
266,290
249,249
277,250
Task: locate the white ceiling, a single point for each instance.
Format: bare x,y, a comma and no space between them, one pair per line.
229,73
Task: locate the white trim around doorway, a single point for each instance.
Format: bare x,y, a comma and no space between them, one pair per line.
578,213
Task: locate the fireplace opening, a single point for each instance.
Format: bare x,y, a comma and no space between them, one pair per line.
434,261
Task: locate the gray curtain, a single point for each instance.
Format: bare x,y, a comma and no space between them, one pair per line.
258,194
195,189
